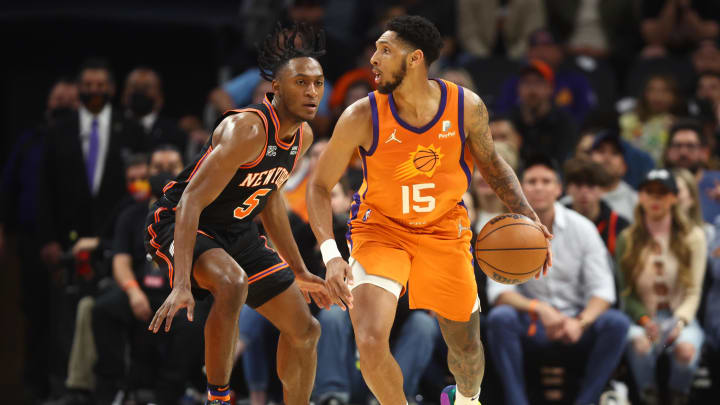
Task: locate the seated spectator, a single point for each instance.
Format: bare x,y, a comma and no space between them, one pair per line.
570,90
143,100
544,127
607,150
413,338
661,260
141,288
486,25
687,149
689,202
296,185
569,307
676,25
503,131
80,382
647,126
584,180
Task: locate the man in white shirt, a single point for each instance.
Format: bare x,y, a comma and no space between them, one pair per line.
569,306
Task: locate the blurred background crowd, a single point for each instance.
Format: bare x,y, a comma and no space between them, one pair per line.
609,111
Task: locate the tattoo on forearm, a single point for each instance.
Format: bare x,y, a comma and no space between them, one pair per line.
505,183
496,172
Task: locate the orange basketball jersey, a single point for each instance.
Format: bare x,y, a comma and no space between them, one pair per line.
412,175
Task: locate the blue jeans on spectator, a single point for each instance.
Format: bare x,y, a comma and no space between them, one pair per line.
643,365
337,371
507,331
260,337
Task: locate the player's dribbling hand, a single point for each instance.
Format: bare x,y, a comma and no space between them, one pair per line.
338,277
313,286
180,297
548,259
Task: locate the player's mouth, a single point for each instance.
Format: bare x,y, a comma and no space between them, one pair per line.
310,106
378,75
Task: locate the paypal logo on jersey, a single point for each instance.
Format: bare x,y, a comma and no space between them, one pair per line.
446,125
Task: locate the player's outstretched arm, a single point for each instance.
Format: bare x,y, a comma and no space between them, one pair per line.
354,128
496,172
277,225
239,139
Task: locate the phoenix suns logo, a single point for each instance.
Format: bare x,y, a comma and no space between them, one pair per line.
424,160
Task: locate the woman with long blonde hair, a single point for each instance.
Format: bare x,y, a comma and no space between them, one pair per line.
661,259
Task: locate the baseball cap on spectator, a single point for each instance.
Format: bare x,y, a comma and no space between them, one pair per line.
661,176
609,136
539,67
541,36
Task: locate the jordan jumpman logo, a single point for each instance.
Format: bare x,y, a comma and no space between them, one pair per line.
393,138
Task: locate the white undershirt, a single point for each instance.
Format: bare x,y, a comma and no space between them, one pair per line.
104,119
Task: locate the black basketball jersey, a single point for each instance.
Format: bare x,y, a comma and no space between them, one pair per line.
247,192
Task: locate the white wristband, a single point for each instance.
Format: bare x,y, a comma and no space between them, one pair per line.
329,250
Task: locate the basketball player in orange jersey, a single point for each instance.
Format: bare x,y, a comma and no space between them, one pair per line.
408,227
202,227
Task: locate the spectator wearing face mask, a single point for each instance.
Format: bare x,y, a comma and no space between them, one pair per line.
143,100
82,174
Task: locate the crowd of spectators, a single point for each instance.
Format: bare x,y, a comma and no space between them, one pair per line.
608,110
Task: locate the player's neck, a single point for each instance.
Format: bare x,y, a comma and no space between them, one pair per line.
413,94
289,124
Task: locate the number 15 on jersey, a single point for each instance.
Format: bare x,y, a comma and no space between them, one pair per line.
420,203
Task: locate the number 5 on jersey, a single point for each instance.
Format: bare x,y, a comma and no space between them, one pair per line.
250,203
417,197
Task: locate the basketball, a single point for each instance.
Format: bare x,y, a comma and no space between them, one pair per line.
511,249
425,160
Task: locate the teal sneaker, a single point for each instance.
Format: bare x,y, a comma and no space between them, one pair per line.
447,397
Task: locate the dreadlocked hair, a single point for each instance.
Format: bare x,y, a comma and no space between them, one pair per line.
279,47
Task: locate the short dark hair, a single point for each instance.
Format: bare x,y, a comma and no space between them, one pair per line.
418,32
279,48
541,160
686,124
96,64
136,159
580,171
166,147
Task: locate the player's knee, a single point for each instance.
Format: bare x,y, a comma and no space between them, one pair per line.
684,353
467,347
307,336
230,284
370,342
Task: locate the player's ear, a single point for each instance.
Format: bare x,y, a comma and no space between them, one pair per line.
276,85
416,57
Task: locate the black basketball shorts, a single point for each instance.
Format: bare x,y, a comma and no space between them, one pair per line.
268,274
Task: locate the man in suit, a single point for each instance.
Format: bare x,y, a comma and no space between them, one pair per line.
82,176
143,99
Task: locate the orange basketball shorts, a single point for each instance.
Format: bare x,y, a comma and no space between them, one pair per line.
433,263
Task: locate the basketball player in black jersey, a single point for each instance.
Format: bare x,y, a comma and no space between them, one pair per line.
202,228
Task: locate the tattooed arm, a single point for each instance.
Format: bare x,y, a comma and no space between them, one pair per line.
496,172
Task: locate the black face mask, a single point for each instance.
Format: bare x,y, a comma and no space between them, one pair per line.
140,104
158,182
94,101
59,114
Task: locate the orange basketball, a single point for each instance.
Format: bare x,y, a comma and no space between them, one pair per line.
511,249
